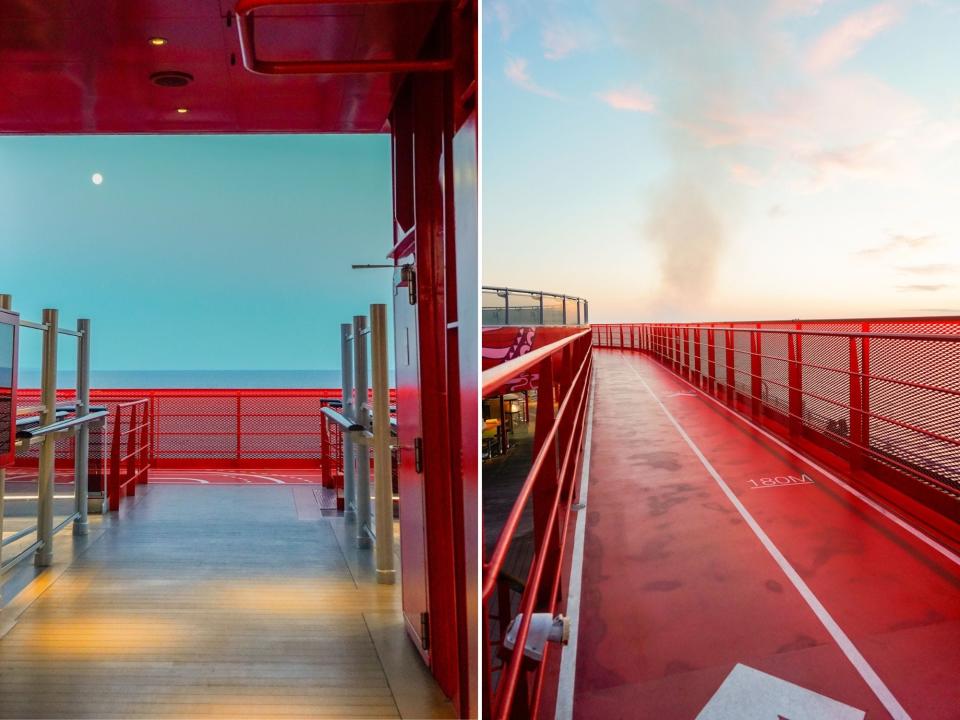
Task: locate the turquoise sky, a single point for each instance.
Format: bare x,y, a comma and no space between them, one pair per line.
196,252
711,160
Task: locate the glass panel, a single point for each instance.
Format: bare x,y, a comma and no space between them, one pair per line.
552,310
524,309
571,304
494,308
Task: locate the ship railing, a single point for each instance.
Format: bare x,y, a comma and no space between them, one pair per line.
51,424
878,398
511,306
513,675
129,450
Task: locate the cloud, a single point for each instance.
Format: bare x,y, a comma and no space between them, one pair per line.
932,269
517,72
501,12
746,174
898,242
793,8
561,38
845,39
630,98
923,288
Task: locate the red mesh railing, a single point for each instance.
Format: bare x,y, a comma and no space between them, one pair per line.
222,428
882,397
129,450
513,684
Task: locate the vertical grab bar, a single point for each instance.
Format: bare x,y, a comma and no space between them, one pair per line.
382,459
82,440
346,372
45,476
361,415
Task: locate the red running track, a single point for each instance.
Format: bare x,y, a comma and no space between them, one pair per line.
678,588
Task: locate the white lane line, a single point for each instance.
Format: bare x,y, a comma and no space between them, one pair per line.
853,655
568,657
922,537
163,479
261,477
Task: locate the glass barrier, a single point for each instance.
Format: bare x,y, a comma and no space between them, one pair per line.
507,306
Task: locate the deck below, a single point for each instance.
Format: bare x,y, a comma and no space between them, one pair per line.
205,600
713,556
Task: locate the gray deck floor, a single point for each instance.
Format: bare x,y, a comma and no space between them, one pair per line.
226,601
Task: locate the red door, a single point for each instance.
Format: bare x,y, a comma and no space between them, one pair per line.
413,545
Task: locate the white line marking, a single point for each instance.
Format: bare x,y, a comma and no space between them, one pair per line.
853,655
568,656
262,477
748,694
164,479
951,556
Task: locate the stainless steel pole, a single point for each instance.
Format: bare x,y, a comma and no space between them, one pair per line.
346,372
82,439
382,460
45,475
361,416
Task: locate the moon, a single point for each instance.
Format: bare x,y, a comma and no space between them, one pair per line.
96,178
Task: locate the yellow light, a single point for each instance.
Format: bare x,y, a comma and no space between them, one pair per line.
158,41
183,111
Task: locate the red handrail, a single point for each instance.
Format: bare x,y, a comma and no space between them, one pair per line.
129,450
564,369
818,386
245,31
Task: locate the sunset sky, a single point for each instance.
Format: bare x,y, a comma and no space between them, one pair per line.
706,160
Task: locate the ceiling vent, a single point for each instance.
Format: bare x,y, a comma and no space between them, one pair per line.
171,78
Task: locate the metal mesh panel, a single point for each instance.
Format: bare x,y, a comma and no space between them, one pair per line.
896,400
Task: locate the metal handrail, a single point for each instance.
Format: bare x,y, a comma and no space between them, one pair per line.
340,420
550,488
94,416
495,377
245,32
933,337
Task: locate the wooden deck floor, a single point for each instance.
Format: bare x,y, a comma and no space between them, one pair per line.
216,601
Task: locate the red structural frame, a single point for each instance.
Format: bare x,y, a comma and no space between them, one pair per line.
876,399
129,450
513,685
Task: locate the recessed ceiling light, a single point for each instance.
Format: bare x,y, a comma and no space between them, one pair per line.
158,41
183,111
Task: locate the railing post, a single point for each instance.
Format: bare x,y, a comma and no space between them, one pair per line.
130,488
382,459
324,451
697,369
856,409
795,357
143,452
237,430
865,387
81,455
756,384
361,416
621,335
711,361
46,471
346,380
113,486
731,373
544,491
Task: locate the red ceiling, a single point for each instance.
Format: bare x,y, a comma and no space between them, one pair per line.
84,66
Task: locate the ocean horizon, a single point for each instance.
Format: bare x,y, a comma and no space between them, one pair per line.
30,378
